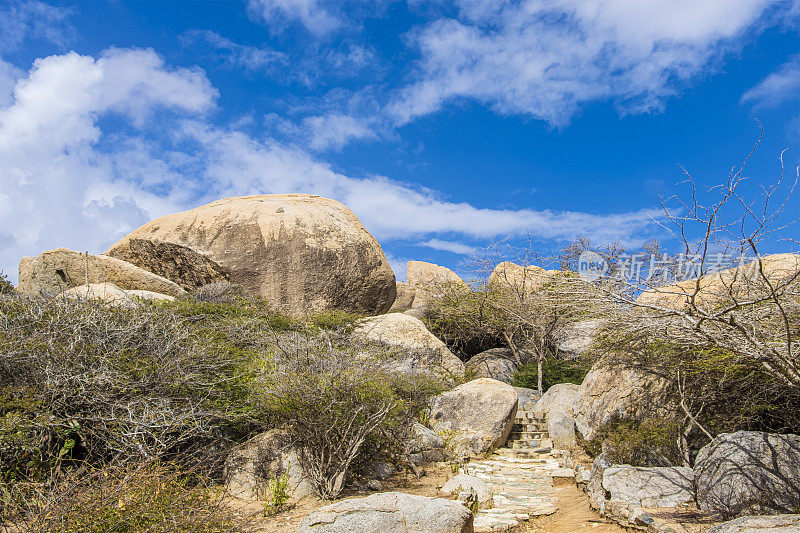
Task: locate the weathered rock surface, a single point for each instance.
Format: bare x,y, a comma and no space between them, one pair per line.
390,512
407,332
561,396
53,271
404,299
715,288
425,446
105,292
557,406
300,252
511,276
649,487
610,391
786,523
250,466
151,296
749,472
460,484
576,339
428,280
497,363
479,415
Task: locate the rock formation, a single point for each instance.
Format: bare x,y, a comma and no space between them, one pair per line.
54,271
104,292
250,466
409,333
713,289
478,416
300,252
390,512
749,472
557,406
497,363
428,280
611,390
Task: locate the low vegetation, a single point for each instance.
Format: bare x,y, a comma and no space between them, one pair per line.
5,286
87,390
554,371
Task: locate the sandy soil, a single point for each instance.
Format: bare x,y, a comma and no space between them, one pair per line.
573,515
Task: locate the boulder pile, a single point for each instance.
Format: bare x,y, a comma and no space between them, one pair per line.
300,252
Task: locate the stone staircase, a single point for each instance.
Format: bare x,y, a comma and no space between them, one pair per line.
529,434
520,475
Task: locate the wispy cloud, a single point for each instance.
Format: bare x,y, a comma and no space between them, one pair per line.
251,58
547,59
780,86
335,130
20,20
449,246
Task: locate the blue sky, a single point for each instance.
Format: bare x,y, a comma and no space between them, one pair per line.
443,125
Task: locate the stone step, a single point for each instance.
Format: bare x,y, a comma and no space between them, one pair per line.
529,427
537,433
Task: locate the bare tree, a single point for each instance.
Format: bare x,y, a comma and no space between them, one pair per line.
515,301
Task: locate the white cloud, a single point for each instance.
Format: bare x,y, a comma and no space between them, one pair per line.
449,246
238,164
320,17
310,13
778,87
335,130
20,20
250,58
545,58
64,183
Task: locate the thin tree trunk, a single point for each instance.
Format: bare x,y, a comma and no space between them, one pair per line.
539,371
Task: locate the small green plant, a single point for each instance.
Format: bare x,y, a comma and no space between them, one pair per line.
554,371
5,286
335,320
278,494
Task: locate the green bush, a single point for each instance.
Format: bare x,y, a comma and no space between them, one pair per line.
118,385
146,497
554,371
5,286
334,320
648,442
338,403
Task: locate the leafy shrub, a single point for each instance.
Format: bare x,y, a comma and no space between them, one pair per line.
648,442
5,286
554,371
253,313
120,385
332,399
141,497
278,494
335,320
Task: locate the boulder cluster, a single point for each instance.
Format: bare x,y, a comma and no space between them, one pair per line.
302,253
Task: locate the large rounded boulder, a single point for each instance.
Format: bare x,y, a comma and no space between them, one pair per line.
420,349
612,391
749,472
300,252
477,416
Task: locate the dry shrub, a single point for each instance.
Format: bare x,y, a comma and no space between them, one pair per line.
341,405
148,496
114,386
